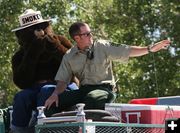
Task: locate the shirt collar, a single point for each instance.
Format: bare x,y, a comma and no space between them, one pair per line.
77,51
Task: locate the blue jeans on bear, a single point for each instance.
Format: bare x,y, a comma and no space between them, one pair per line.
27,100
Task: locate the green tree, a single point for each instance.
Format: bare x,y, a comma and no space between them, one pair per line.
143,23
7,47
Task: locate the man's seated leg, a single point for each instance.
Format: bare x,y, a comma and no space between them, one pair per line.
96,99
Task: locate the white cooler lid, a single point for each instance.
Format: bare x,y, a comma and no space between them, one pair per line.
134,107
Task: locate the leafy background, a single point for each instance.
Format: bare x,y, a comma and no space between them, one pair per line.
135,22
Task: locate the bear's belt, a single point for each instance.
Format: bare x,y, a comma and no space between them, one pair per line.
45,81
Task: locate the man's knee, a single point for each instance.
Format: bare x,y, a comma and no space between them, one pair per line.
96,99
98,95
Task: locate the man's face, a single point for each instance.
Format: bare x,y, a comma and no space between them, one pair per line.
84,38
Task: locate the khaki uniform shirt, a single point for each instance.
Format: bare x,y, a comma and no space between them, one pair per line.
95,71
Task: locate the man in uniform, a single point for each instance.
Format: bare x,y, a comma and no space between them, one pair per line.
91,62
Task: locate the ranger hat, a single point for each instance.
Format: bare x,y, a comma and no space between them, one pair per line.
30,18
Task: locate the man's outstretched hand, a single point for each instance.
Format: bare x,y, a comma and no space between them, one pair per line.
160,45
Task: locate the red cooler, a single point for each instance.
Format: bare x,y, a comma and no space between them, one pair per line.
143,114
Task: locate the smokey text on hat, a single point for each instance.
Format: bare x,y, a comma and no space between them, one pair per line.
31,18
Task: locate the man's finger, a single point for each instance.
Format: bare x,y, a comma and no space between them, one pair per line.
47,104
56,103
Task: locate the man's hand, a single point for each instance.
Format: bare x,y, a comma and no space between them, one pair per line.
61,86
53,98
159,45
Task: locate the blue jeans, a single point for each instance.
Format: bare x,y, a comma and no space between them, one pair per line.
27,100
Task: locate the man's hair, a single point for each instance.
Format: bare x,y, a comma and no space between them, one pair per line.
75,29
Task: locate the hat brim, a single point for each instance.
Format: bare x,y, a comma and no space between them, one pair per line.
23,27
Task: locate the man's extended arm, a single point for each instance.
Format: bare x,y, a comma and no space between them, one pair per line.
139,51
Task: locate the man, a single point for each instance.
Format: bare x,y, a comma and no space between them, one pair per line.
91,62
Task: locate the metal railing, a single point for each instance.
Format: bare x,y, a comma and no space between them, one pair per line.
79,124
99,127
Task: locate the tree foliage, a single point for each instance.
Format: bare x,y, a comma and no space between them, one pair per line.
139,22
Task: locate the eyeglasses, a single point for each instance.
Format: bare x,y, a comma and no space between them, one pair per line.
85,34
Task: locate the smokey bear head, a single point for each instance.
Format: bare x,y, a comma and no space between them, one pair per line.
32,26
30,34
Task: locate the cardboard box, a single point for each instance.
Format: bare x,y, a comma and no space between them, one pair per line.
143,114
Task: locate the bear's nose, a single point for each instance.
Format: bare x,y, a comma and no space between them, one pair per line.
39,33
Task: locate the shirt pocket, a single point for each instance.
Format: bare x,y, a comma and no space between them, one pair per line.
97,67
78,65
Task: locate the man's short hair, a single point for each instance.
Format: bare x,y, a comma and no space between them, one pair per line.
75,29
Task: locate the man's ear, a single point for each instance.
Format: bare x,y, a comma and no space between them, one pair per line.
76,38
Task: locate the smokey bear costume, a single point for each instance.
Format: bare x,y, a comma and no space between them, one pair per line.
34,66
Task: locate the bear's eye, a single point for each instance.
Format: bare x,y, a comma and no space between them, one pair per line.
40,26
38,29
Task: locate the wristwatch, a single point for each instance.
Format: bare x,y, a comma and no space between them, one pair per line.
149,48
